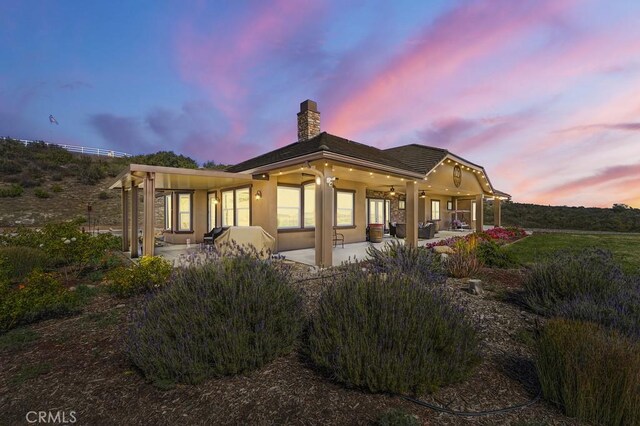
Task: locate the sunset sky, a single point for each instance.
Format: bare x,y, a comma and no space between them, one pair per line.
544,94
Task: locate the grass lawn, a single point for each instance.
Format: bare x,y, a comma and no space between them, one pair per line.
625,248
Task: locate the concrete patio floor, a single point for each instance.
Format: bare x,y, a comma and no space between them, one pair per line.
352,251
358,251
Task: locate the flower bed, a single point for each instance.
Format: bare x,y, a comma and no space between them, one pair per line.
498,235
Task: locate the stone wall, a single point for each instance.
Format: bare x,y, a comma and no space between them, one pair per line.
397,215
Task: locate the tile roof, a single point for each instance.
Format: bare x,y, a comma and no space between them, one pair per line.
324,142
420,158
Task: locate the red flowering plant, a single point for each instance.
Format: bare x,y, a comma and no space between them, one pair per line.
498,235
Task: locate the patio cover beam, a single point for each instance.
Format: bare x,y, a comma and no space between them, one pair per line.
134,222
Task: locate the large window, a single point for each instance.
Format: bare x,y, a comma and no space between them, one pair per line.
289,206
184,212
168,212
236,207
309,205
228,208
345,201
297,206
213,203
243,207
435,209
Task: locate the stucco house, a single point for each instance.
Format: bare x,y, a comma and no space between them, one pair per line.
304,192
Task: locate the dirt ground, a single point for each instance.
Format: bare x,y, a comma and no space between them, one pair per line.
78,364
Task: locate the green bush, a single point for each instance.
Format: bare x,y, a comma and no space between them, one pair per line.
18,262
567,275
492,255
150,273
222,317
397,417
104,195
14,190
65,245
41,297
590,373
56,188
41,193
391,333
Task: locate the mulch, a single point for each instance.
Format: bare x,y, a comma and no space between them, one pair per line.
89,373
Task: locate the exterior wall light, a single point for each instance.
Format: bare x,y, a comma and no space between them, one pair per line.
258,195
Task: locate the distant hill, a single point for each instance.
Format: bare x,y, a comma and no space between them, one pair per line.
41,183
620,218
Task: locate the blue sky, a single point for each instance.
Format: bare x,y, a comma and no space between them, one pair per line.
542,93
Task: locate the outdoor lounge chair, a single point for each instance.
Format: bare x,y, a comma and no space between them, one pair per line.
401,230
211,236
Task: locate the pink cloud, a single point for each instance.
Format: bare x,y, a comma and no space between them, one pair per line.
466,34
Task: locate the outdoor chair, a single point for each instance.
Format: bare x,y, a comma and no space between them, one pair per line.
401,230
211,236
338,238
392,229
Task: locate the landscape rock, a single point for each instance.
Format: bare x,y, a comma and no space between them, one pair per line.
475,287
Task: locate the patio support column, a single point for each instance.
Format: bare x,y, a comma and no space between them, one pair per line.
134,221
148,231
125,220
497,212
479,212
324,221
412,214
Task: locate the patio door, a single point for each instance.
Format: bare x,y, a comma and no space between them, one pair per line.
378,211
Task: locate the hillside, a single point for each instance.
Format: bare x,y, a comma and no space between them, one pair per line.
620,218
41,183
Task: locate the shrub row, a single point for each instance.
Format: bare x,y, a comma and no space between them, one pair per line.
376,328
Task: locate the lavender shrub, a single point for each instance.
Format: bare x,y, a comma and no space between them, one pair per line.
219,316
391,332
568,275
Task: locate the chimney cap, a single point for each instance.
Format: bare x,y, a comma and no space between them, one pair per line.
308,105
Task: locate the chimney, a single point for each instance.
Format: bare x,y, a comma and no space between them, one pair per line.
308,121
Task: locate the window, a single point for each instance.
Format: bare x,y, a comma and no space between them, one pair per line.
473,210
236,207
435,209
184,212
309,205
243,207
168,211
296,206
449,205
289,207
228,207
213,203
345,200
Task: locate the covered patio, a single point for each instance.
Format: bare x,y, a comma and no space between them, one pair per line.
306,256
